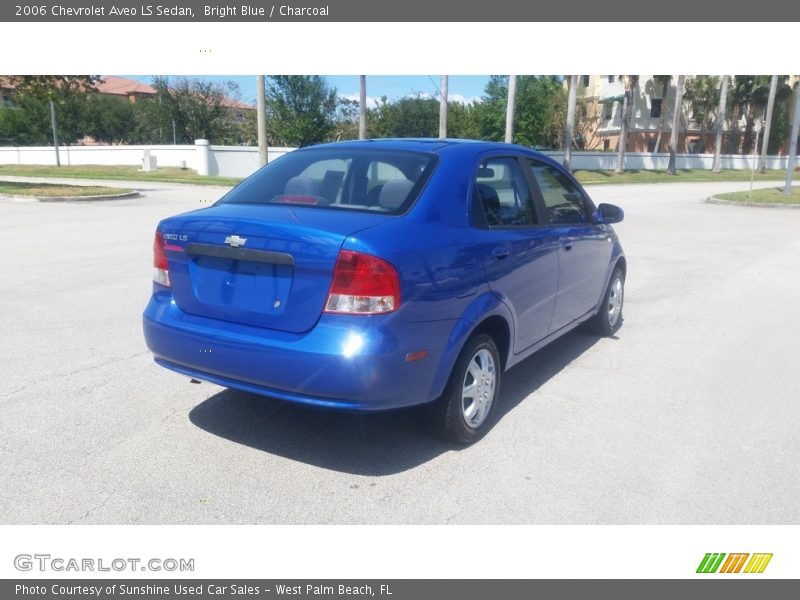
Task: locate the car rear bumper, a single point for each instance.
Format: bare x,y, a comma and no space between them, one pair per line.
346,362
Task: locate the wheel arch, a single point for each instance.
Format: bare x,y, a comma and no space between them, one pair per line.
487,313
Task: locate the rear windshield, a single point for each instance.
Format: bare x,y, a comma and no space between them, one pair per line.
375,180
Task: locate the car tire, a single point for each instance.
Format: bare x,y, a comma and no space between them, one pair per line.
469,403
609,316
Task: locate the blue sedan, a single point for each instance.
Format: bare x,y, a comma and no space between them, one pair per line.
381,274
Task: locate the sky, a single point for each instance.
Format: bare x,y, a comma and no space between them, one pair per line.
461,88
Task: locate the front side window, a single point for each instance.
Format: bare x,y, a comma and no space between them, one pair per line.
503,194
563,201
377,180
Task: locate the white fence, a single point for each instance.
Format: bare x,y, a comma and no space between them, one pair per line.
241,161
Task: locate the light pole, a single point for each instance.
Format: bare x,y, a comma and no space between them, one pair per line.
261,107
757,127
443,106
512,99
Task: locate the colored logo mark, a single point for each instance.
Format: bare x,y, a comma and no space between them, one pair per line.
713,562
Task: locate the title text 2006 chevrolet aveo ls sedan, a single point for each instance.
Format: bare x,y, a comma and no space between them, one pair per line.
382,274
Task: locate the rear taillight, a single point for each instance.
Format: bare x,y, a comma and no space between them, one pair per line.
363,285
161,275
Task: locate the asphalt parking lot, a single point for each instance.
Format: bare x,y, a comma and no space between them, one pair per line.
691,415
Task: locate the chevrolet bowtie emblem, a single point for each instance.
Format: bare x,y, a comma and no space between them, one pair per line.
235,241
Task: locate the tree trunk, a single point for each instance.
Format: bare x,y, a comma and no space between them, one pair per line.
720,124
55,131
512,98
676,123
570,129
787,188
664,88
261,120
362,107
762,159
623,133
443,107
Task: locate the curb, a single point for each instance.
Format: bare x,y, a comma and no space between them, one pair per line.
19,198
715,200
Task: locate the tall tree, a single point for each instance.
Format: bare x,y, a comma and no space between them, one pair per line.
773,90
664,81
676,124
194,109
630,83
749,95
719,123
570,128
702,96
792,162
540,115
301,109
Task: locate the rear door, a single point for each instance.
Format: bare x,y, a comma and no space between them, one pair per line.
519,256
584,250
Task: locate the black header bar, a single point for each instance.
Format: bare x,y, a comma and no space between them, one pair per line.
403,11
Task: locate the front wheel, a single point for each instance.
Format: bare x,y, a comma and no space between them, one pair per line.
466,407
609,318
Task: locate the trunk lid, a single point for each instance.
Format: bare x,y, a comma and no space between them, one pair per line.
262,265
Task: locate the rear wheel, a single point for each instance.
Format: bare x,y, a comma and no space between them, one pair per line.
467,406
609,318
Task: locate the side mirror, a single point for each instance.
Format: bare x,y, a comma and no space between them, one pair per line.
609,213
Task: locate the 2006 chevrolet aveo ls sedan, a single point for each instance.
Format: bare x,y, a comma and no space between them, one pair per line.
381,274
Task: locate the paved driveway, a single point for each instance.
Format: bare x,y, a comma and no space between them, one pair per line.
689,416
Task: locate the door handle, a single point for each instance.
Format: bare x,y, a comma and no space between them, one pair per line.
500,253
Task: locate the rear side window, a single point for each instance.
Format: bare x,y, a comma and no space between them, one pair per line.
376,180
503,194
562,200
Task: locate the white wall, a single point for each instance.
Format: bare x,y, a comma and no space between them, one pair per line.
238,161
607,161
225,161
241,161
170,156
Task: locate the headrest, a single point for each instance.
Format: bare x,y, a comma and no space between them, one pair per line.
394,193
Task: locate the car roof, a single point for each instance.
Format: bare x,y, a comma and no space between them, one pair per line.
437,146
421,144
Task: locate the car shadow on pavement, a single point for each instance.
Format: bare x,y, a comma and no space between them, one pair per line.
364,444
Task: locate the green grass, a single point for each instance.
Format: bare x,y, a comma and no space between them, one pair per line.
52,190
660,176
120,172
765,196
178,175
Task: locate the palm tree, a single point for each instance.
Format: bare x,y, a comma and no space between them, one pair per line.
748,96
570,128
790,165
664,80
720,123
676,122
631,81
762,159
702,97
